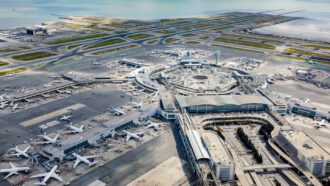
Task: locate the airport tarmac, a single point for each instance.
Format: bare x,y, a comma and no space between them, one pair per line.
135,163
96,101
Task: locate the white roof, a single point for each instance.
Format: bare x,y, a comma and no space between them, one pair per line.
197,145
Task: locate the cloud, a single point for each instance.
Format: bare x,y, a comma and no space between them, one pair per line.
310,29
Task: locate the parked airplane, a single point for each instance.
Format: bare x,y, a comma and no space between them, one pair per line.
2,97
156,126
137,105
3,105
310,61
129,135
117,111
13,170
45,95
47,139
47,175
14,107
66,117
320,124
20,152
75,129
155,96
83,159
60,91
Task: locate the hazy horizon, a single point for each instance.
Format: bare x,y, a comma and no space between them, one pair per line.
18,13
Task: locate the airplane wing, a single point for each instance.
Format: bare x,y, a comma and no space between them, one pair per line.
40,175
128,137
56,176
11,173
76,163
12,165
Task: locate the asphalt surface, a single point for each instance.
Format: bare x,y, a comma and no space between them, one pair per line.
135,162
96,101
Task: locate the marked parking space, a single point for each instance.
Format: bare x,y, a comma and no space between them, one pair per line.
52,115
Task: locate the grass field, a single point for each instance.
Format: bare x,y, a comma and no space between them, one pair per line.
300,58
171,40
77,39
15,49
99,28
73,46
107,42
222,28
17,70
318,46
192,42
304,52
179,22
204,37
139,36
2,63
241,49
165,31
118,25
114,50
152,42
188,35
33,56
255,38
245,43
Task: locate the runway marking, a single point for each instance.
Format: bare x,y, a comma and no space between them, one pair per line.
52,115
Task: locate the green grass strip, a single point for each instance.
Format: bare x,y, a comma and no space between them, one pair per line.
245,43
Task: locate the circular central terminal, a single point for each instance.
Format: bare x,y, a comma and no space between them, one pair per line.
200,77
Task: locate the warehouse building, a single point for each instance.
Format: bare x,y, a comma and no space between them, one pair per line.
302,148
222,103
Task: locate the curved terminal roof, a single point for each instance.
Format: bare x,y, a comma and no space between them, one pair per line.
197,145
220,100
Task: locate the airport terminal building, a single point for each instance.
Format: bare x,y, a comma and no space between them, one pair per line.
222,103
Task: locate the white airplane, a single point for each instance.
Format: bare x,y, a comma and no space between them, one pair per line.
76,129
47,175
60,91
13,170
156,126
137,105
306,100
68,92
66,117
117,111
2,97
129,135
20,152
3,105
83,159
155,96
47,139
14,107
320,124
